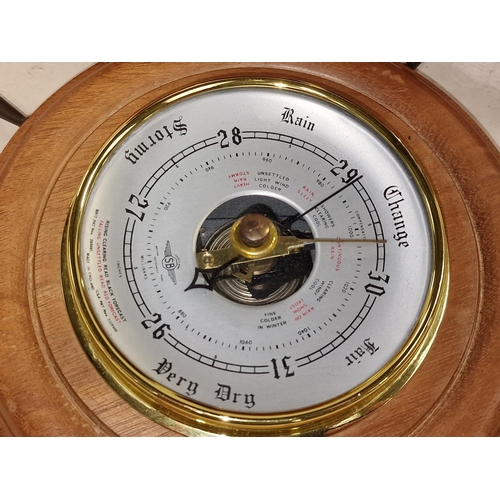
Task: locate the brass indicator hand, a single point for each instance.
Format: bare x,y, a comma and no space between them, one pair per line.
270,244
286,245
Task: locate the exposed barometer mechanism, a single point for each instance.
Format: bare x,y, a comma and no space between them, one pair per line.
255,256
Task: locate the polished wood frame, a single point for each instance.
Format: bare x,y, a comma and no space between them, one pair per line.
48,387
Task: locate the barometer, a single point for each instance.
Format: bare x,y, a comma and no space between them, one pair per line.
250,250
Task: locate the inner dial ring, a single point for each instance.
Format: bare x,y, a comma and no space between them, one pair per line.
288,343
259,279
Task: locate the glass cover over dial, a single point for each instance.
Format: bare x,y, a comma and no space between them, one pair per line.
255,257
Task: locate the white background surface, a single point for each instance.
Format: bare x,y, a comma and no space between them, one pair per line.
228,30
475,86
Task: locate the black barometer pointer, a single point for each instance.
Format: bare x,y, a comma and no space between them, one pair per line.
286,224
214,275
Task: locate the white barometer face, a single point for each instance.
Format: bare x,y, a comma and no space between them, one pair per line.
255,257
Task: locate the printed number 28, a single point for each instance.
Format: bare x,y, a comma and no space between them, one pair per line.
235,137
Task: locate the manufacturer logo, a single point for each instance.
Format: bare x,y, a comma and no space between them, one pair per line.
170,262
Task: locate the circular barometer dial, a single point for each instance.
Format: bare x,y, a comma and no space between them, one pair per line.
258,255
254,252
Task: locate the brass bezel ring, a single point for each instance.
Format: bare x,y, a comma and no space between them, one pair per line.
172,410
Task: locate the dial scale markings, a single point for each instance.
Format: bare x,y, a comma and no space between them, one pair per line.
334,197
371,209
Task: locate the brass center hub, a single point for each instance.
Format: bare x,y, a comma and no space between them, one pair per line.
254,236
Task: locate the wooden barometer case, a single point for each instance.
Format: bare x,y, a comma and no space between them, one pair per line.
249,249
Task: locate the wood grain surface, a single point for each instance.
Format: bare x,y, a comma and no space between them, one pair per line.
48,387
